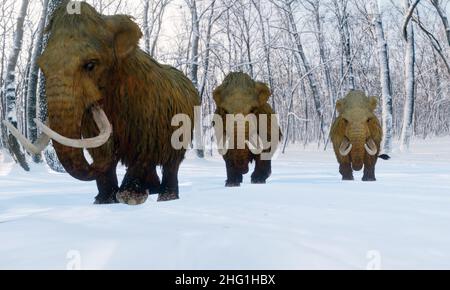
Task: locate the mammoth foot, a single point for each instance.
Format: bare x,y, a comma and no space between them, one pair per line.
258,181
369,179
232,184
99,200
131,197
169,196
348,178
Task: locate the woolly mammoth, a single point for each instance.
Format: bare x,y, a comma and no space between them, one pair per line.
239,95
108,96
356,135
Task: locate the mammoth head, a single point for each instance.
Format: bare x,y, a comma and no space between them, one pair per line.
82,49
239,94
358,126
82,52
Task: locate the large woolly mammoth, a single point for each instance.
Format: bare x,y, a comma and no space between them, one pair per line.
356,135
239,95
107,95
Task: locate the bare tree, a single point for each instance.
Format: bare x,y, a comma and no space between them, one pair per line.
193,69
265,36
10,85
313,85
443,16
9,88
324,61
385,78
153,19
410,79
33,76
343,17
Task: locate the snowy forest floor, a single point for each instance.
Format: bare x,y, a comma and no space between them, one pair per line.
305,217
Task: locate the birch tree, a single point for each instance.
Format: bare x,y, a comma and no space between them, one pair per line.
50,155
410,80
265,36
9,88
385,78
193,70
34,75
444,18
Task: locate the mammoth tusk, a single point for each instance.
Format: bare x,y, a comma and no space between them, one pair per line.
35,148
345,148
371,147
103,125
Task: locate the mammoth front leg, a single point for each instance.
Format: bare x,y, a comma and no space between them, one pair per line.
263,170
152,181
133,190
234,178
345,166
346,171
369,168
169,185
107,186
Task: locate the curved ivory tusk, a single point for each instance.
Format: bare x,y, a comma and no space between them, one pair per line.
345,148
103,125
371,148
35,148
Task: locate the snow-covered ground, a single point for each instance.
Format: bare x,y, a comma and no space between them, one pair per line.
305,217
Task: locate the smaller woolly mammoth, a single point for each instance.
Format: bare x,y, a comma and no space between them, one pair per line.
240,96
356,135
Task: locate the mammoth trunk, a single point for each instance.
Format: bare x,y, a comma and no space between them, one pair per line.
65,118
357,155
357,139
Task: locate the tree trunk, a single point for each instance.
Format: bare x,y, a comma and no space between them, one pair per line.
443,17
146,27
266,45
193,73
408,111
34,75
9,88
348,52
50,155
385,78
323,56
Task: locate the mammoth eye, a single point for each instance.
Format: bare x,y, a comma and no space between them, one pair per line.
90,66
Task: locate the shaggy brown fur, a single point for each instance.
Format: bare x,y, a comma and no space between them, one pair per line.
358,123
239,94
92,59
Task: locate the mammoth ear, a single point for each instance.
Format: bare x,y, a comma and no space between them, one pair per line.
373,103
262,92
217,96
340,106
126,34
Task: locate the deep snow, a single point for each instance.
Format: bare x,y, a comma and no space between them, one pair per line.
305,217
